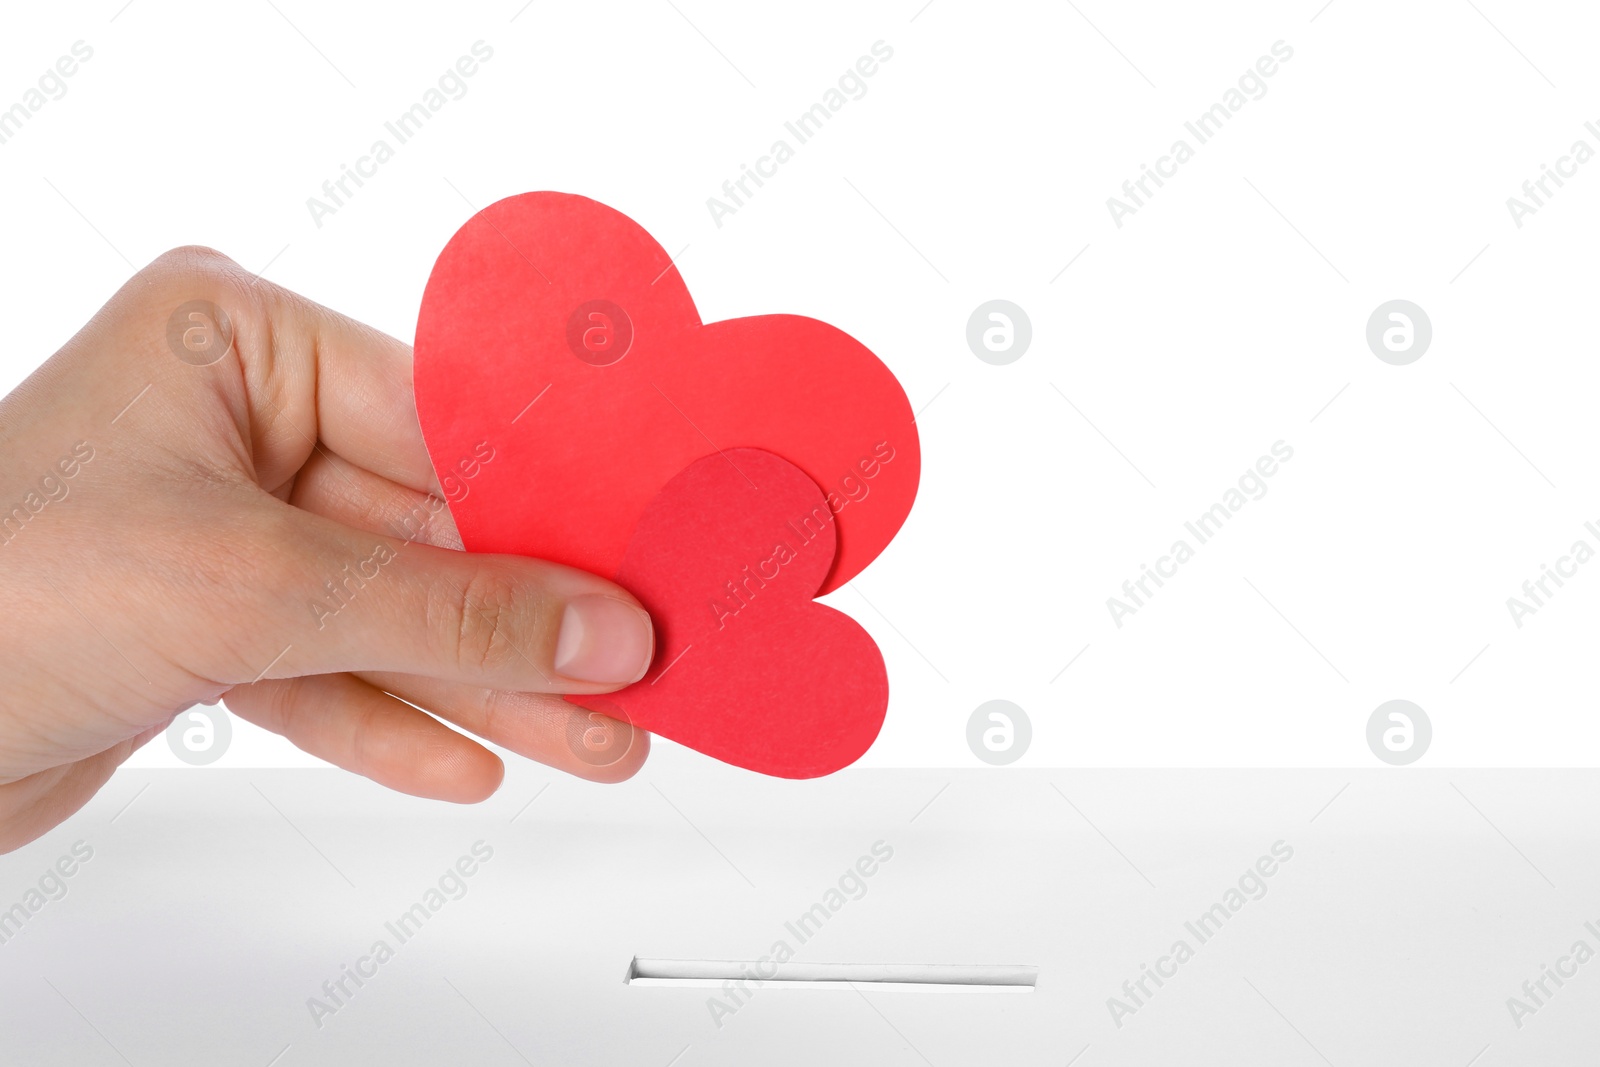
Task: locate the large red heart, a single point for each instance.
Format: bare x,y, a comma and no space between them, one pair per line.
748,668
556,332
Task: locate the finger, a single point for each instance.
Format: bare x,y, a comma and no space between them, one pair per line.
310,374
356,382
333,487
347,722
31,806
536,725
337,489
337,599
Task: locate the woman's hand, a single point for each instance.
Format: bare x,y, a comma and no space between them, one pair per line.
218,488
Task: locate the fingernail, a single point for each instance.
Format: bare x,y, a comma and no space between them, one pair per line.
603,639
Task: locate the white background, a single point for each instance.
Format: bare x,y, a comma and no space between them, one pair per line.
1222,317
1227,315
216,905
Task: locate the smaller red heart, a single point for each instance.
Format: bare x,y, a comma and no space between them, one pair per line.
748,667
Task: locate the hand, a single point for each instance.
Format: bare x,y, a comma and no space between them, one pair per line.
245,509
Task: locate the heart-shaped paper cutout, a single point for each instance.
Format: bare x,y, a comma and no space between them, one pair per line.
558,334
748,668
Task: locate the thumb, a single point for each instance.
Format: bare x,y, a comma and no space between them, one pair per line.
378,603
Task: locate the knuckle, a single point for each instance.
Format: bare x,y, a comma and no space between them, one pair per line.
279,703
194,266
483,621
495,711
170,286
192,256
195,272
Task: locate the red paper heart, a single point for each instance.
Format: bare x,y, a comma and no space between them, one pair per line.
748,668
556,335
